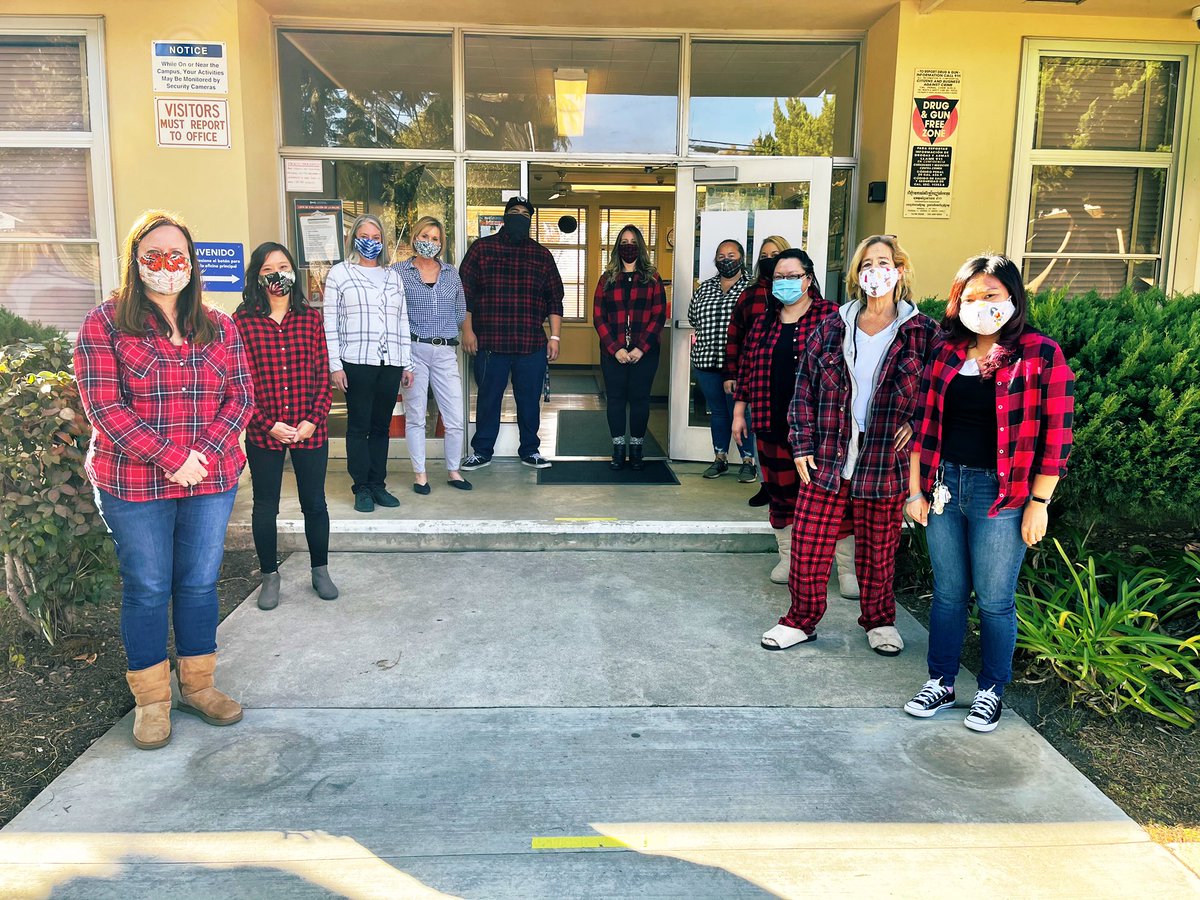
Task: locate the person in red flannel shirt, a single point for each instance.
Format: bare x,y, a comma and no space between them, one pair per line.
628,312
165,384
289,359
767,380
991,446
852,417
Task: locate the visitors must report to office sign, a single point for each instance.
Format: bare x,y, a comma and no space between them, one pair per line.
222,265
931,143
183,122
189,67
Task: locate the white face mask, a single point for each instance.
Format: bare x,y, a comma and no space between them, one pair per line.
986,316
163,281
877,280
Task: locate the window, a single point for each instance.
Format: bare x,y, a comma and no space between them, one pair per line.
613,219
570,254
54,214
1095,171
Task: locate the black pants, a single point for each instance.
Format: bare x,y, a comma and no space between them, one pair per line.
370,398
266,478
628,385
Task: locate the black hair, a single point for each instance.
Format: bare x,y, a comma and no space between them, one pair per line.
1006,272
736,243
814,289
254,297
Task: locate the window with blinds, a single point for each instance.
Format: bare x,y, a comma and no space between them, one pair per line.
613,219
1098,171
49,250
570,254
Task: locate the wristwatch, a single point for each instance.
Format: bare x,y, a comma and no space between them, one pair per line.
1043,500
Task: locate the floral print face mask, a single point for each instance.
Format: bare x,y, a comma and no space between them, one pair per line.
278,283
878,281
165,273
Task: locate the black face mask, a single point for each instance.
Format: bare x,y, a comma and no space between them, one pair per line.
516,226
729,267
766,268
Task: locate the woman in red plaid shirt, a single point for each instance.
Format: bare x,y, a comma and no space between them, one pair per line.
993,441
852,418
285,342
165,384
629,310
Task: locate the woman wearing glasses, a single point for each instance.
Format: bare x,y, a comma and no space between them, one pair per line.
766,382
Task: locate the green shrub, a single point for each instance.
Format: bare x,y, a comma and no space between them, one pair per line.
56,552
13,328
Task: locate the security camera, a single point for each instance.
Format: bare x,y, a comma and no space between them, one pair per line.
1196,15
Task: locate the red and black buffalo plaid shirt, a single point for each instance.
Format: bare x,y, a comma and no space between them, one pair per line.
821,411
150,403
1035,407
290,364
754,364
748,310
511,288
629,313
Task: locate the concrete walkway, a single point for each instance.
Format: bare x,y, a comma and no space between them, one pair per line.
576,724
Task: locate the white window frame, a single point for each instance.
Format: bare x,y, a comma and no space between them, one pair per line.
1026,157
96,141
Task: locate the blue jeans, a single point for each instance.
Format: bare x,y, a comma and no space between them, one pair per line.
972,552
720,413
168,550
492,372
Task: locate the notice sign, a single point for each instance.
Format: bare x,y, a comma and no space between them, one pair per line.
303,176
192,123
189,68
931,144
318,231
222,266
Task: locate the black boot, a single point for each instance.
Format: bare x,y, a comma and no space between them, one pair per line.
618,460
635,457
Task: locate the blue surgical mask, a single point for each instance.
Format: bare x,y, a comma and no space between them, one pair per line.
788,290
368,248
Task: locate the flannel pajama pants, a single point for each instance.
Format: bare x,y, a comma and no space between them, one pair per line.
780,477
819,521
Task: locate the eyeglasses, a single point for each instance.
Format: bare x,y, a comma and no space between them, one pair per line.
791,277
157,261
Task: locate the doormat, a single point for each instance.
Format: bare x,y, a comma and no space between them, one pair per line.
584,432
596,472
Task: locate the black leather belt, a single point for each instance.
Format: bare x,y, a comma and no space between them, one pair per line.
437,342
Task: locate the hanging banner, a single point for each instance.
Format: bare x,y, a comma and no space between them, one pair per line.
932,139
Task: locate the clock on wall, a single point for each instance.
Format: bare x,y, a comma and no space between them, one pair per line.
671,238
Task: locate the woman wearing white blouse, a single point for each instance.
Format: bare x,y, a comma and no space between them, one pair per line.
366,327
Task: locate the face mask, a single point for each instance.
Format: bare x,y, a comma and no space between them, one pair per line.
165,273
627,252
277,283
427,249
517,226
729,267
986,316
788,290
368,248
766,268
877,280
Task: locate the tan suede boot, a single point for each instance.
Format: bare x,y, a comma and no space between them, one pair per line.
783,538
200,698
151,689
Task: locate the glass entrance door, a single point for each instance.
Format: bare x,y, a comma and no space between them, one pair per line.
759,199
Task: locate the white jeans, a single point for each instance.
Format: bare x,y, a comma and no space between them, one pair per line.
436,366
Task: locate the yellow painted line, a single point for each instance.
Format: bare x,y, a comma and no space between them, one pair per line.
586,519
581,842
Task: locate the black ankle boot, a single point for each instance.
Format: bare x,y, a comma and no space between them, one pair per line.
618,460
635,457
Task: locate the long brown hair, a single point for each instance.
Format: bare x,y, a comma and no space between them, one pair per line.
643,267
134,307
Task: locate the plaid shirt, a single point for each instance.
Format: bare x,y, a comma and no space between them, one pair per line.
1035,406
433,312
754,363
627,319
366,323
511,290
151,402
821,411
709,314
748,310
290,365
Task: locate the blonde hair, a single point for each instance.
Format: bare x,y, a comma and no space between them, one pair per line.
779,241
424,222
384,258
899,257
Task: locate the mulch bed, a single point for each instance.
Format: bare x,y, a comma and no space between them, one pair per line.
56,701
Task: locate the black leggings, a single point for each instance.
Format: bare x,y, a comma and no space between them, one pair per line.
370,398
266,478
628,385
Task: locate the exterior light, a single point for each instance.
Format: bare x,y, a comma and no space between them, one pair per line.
570,100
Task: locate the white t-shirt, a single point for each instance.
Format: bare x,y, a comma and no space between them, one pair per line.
868,357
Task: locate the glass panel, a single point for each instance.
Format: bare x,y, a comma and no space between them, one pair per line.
1096,209
570,254
42,84
584,95
347,89
1080,275
55,284
45,192
1106,104
839,222
773,99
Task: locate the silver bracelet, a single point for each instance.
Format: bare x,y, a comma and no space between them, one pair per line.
918,496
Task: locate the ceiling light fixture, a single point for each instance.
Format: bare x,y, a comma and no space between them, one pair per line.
570,100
